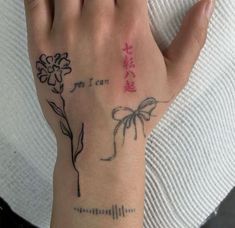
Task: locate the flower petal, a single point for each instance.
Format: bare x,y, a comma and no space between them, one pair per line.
43,78
58,75
58,57
42,73
64,62
40,66
50,59
42,58
64,55
50,69
66,70
51,80
55,68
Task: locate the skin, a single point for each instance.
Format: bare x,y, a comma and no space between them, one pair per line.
94,33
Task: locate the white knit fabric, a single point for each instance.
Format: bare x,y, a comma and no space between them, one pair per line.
190,155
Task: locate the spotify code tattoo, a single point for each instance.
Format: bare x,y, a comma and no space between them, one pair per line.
51,71
115,212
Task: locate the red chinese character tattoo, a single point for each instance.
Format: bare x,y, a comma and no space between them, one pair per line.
129,66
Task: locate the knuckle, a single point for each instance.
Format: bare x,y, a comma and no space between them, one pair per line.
100,23
100,31
36,50
130,29
64,34
37,42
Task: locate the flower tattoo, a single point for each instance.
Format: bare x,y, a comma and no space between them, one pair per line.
52,69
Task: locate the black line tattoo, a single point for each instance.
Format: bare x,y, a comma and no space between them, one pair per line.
91,82
52,69
115,212
127,118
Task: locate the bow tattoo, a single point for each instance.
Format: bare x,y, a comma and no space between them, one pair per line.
127,118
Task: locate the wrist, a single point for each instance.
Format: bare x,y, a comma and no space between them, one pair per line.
92,182
126,171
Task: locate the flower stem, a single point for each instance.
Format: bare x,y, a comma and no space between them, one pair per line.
72,147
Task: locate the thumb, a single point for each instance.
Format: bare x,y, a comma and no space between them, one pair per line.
185,48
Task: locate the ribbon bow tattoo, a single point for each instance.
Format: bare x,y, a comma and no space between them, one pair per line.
128,117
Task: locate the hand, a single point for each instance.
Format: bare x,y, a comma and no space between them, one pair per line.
102,81
111,46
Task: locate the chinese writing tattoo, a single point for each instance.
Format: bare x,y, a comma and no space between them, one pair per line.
129,67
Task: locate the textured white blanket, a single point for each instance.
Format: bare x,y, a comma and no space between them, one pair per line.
190,155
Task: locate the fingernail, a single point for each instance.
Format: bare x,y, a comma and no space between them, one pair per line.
210,8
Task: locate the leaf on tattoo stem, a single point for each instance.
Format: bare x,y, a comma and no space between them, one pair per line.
80,144
56,109
65,130
58,90
61,88
54,90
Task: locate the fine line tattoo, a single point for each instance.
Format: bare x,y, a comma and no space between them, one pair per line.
52,69
115,212
91,82
127,119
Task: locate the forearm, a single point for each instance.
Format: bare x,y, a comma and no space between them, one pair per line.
112,193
